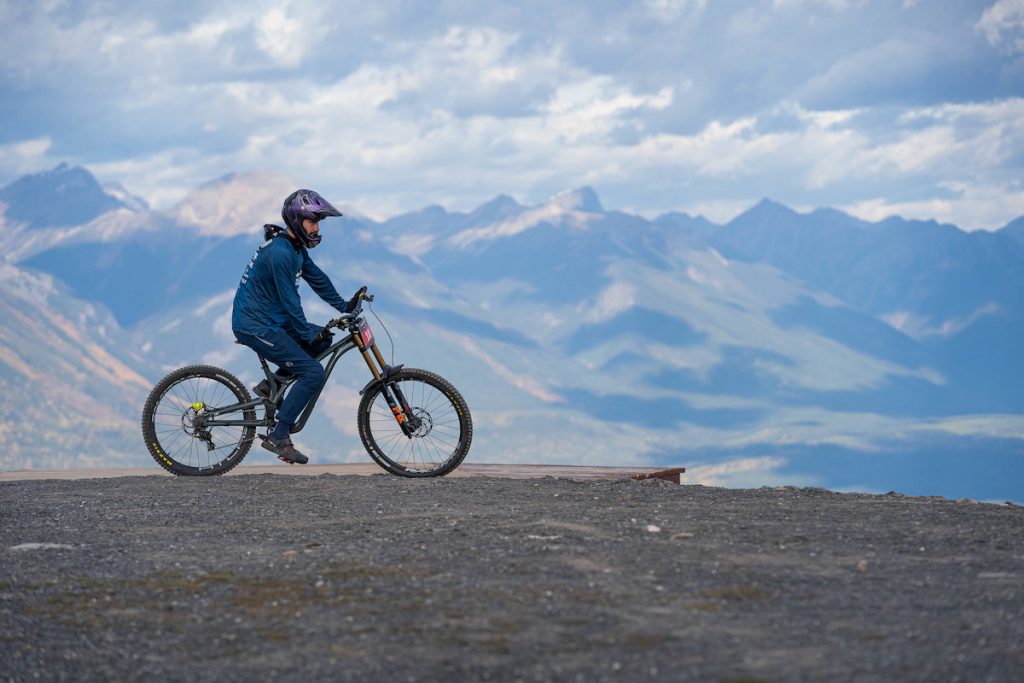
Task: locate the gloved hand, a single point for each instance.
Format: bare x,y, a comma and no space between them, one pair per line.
354,301
325,337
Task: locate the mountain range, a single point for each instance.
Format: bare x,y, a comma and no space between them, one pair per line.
778,348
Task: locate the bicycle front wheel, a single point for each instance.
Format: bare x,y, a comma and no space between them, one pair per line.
443,433
174,429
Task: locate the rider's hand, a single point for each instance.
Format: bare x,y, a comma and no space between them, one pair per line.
325,337
354,301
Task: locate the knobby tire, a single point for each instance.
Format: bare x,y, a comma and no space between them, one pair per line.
171,395
439,448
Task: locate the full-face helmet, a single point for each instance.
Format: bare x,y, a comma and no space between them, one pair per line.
306,204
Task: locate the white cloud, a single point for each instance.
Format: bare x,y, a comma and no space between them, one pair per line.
593,106
392,109
1003,25
222,300
672,10
341,405
372,140
207,33
971,207
1003,426
920,326
916,151
991,134
836,5
164,177
25,156
742,472
374,147
288,36
148,60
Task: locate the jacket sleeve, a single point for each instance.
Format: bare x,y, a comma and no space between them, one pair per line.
284,269
321,284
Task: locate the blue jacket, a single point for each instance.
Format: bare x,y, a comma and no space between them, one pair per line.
268,295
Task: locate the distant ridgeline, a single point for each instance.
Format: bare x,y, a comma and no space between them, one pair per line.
780,347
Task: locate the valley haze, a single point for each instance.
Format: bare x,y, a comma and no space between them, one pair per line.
781,347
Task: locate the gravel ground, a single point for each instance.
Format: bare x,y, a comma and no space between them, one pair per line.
388,579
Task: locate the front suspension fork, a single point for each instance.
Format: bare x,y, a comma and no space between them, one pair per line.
399,406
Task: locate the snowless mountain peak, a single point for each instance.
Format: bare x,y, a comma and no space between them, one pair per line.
502,206
235,204
766,209
570,206
1014,229
670,341
579,199
65,195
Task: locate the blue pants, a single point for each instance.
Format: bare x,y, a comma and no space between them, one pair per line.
280,348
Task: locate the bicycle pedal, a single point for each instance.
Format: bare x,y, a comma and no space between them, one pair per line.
284,459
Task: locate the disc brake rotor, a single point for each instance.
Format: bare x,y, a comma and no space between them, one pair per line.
192,422
426,424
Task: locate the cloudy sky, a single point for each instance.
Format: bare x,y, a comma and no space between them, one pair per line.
913,107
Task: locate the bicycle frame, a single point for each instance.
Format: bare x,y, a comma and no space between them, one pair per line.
359,337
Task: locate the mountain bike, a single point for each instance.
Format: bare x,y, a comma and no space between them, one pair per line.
200,420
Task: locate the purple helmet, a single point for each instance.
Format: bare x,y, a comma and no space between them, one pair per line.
306,204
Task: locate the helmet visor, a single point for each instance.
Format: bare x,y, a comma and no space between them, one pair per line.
320,207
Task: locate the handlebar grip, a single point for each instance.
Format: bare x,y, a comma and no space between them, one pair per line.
342,319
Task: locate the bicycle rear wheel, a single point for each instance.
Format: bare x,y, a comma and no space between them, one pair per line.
173,427
442,438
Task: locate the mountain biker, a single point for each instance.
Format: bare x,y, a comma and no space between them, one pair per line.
267,312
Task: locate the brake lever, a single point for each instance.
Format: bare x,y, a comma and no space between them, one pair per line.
343,319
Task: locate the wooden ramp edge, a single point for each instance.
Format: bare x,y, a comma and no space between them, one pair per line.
505,471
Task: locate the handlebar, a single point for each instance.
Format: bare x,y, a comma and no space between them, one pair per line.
346,319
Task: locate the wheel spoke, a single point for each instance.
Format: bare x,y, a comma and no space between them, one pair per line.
435,443
172,423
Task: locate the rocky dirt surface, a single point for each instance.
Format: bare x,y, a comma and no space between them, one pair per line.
263,577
